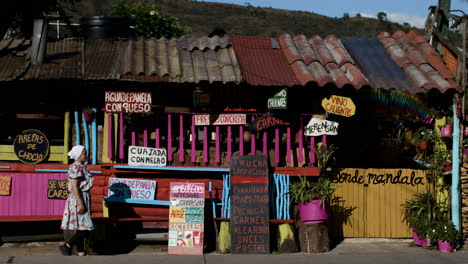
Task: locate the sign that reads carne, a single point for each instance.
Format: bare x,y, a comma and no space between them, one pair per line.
318,127
147,157
31,146
128,102
221,119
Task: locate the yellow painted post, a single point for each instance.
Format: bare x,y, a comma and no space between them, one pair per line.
105,139
105,209
66,137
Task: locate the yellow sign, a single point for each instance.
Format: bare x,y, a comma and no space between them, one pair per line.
339,105
177,214
5,185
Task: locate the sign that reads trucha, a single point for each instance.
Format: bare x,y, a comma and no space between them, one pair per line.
146,157
318,127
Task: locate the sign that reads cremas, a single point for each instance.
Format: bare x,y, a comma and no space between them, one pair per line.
339,105
147,157
279,101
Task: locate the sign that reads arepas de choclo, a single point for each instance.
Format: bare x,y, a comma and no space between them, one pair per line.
339,105
318,127
128,102
31,146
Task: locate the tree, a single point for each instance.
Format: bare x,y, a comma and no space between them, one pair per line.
346,16
382,16
358,14
148,21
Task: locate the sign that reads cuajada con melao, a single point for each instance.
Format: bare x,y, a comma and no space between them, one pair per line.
339,105
128,102
146,157
31,146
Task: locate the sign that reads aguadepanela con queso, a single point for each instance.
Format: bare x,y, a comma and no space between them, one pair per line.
186,218
122,188
31,146
128,102
250,218
146,157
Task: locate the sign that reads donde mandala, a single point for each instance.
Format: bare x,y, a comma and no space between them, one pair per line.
147,157
339,105
128,102
318,127
31,146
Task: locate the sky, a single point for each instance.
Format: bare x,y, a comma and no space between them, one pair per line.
413,12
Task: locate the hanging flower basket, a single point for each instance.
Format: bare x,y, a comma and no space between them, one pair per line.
88,114
447,130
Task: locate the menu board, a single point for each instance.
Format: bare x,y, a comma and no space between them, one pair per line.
250,216
5,185
186,218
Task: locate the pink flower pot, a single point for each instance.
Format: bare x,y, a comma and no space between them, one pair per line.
420,240
313,212
445,246
447,130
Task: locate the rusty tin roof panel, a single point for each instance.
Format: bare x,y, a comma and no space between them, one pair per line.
181,60
13,62
419,61
102,59
321,60
262,61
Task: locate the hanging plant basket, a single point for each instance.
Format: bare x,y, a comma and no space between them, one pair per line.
88,114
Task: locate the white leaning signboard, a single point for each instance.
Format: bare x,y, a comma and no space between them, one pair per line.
147,157
318,127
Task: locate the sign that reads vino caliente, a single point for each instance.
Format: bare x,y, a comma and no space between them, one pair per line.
31,146
339,105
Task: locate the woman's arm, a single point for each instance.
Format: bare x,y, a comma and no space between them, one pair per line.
76,191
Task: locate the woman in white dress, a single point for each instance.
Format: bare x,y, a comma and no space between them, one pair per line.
77,221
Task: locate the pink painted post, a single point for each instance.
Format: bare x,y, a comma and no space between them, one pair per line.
194,140
312,150
288,145
109,135
121,137
300,157
241,140
252,141
229,144
181,139
205,144
265,143
157,138
169,138
145,139
324,140
218,149
277,146
133,138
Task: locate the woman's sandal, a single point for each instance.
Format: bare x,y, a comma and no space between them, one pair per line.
65,250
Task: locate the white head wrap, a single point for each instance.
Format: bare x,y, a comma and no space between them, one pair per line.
76,151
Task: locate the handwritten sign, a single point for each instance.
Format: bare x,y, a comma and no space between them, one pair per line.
221,119
279,101
339,105
186,218
128,102
266,122
122,188
382,176
250,217
31,146
318,127
146,157
5,185
57,189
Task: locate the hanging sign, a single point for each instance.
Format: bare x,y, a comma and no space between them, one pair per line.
279,101
123,188
57,189
186,218
5,185
250,217
318,127
221,119
31,146
339,105
146,157
265,122
128,102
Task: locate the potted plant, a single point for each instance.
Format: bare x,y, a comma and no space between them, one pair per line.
88,114
323,155
312,198
445,234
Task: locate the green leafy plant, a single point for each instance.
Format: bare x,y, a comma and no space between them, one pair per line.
324,154
88,111
421,212
305,190
148,21
445,230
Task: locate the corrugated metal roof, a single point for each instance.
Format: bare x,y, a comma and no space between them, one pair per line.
181,60
13,62
321,60
102,59
262,62
421,64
